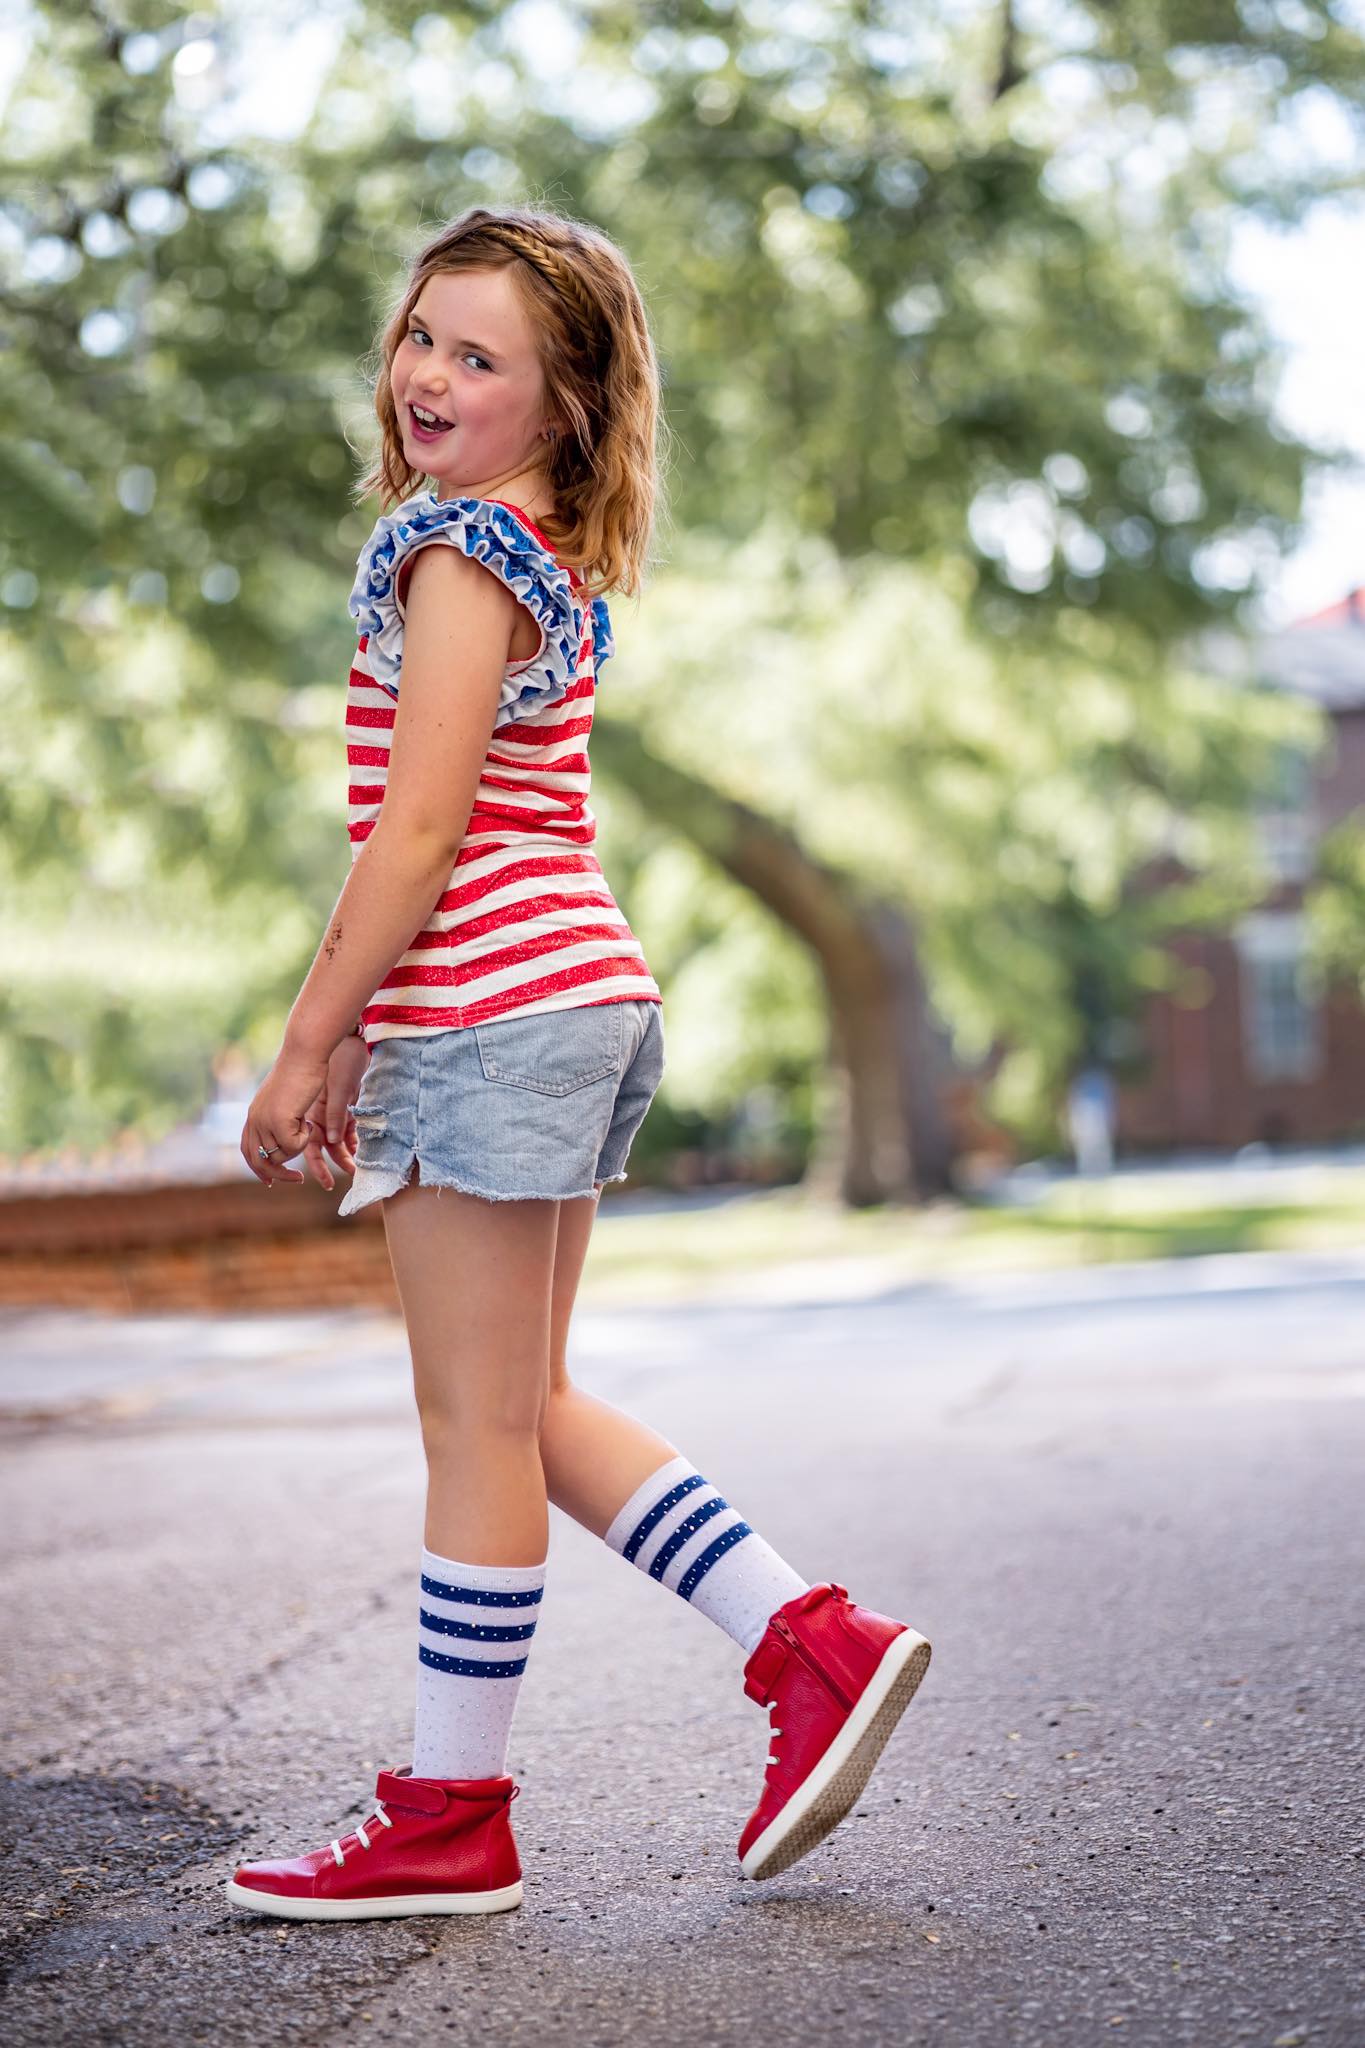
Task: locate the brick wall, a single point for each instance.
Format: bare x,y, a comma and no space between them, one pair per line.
230,1245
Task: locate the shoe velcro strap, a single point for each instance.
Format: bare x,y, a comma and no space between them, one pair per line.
760,1673
415,1793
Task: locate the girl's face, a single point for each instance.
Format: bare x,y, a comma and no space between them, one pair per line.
469,356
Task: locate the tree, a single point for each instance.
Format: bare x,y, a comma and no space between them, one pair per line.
917,310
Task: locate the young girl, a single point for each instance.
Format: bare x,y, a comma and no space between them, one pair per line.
514,1040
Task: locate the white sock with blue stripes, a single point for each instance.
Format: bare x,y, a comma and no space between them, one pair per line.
476,1624
677,1528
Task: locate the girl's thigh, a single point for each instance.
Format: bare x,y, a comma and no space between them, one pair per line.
475,1279
576,1219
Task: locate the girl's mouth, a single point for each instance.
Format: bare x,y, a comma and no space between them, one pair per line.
429,430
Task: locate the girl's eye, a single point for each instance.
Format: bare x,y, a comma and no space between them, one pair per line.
413,333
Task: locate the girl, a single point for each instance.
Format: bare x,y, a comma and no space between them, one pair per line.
514,1040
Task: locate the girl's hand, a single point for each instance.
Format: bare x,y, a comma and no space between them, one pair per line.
332,1116
278,1116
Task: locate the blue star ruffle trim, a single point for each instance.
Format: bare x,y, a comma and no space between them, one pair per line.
496,537
603,642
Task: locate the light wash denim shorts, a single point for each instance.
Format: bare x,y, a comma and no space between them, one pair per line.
539,1107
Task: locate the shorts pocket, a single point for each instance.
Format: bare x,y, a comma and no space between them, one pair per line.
553,1052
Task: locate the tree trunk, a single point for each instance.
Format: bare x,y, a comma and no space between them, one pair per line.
884,1136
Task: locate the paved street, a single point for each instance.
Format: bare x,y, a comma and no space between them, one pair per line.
1125,1805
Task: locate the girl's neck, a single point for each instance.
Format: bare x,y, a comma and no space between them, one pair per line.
526,493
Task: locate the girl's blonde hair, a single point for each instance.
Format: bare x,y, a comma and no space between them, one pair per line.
601,377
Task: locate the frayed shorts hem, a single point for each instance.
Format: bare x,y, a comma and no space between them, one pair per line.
376,1184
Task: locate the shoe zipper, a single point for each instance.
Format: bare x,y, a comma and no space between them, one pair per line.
782,1627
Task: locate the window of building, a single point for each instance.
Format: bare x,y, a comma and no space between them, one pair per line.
1281,1012
1285,825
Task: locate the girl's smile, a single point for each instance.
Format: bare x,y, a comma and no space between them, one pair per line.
433,430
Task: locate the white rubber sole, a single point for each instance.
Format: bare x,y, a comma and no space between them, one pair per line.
844,1769
287,1908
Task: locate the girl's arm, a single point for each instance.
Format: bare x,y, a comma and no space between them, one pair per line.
456,645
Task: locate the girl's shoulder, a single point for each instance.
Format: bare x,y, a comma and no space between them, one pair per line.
507,543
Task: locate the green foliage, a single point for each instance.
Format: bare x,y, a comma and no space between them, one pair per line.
974,436
1029,810
1334,905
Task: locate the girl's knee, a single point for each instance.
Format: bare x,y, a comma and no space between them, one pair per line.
462,1433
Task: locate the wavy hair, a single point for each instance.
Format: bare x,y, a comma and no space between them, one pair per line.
601,377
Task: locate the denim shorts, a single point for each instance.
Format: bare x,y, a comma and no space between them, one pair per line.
533,1107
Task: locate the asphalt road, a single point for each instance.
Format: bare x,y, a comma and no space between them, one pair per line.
1124,1806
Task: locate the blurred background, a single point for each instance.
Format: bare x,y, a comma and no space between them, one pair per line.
984,768
983,772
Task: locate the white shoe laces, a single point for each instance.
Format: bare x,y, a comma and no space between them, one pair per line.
339,1854
772,1730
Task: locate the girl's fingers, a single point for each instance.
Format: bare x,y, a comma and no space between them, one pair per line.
317,1165
343,1149
270,1170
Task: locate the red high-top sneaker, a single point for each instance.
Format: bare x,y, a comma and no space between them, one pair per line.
835,1678
432,1845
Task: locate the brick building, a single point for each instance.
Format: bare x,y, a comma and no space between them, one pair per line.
1269,1056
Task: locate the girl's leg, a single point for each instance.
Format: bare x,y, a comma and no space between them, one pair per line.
629,1486
594,1456
474,1278
634,1489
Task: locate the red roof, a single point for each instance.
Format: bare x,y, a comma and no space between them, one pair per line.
1347,611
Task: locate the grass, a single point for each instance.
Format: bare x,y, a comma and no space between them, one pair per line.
703,1248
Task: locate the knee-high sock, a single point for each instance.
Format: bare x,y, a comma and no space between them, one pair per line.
475,1627
677,1528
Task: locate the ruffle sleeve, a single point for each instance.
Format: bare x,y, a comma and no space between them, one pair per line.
496,537
603,642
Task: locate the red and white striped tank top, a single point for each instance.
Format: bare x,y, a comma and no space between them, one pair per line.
526,921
